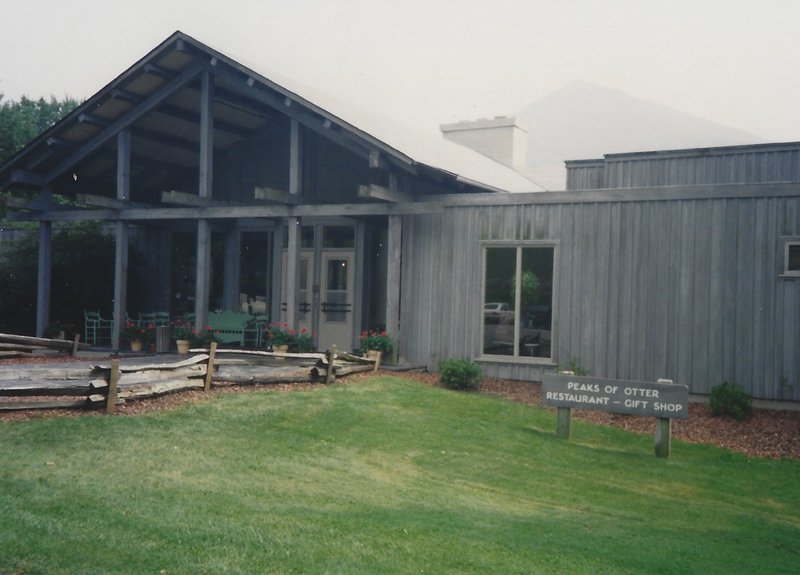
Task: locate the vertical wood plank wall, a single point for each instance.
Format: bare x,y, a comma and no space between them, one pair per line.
686,289
731,164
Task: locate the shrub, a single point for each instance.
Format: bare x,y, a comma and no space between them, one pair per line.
459,374
575,367
730,399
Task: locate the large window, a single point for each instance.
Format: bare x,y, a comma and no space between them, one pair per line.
518,301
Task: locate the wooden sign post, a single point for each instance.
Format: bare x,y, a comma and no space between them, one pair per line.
663,400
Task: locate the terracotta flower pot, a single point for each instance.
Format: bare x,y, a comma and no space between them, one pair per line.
136,345
183,346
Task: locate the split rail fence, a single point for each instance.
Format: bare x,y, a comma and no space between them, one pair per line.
106,385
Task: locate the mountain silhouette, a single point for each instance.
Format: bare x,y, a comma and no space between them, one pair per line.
582,120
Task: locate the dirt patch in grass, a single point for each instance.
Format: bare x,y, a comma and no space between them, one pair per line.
767,433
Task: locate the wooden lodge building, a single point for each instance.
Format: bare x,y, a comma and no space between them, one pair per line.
245,192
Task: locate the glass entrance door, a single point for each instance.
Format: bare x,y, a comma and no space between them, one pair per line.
336,300
304,275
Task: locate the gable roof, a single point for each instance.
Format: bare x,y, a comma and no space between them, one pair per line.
159,94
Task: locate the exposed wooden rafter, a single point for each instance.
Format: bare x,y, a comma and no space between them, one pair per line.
307,118
124,121
85,118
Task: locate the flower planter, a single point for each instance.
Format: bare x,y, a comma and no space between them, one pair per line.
375,355
183,346
136,345
281,349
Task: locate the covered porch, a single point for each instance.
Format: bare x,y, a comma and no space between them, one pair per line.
241,194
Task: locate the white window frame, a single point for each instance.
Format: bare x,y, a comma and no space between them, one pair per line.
789,242
519,245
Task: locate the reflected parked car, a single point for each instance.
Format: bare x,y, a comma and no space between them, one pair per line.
497,312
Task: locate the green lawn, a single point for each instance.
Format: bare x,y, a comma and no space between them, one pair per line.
387,476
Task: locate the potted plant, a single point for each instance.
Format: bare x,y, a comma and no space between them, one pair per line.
139,335
303,342
375,344
204,338
182,333
280,337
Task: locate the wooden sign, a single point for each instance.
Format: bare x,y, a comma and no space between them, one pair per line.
632,397
664,400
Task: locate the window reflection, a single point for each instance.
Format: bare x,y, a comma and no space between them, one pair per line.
518,307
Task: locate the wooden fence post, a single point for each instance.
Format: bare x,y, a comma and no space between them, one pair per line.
212,351
111,400
329,376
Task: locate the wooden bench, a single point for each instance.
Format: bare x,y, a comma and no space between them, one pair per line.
235,327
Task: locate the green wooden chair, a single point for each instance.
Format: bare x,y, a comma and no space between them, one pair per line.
95,328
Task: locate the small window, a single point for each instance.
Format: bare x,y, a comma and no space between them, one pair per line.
791,262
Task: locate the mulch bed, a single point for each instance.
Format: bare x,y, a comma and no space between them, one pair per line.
766,433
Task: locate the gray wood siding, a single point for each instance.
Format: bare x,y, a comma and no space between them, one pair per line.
687,289
727,165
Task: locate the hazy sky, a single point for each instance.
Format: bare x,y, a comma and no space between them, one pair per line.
426,62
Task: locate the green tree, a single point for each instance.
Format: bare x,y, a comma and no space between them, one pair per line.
22,121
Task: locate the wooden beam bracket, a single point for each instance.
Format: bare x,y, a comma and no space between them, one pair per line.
376,192
273,195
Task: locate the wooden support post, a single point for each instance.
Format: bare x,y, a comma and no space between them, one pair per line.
394,261
212,351
663,437
121,236
75,344
295,159
292,272
43,275
202,275
111,399
564,430
230,279
277,271
120,284
329,376
206,175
